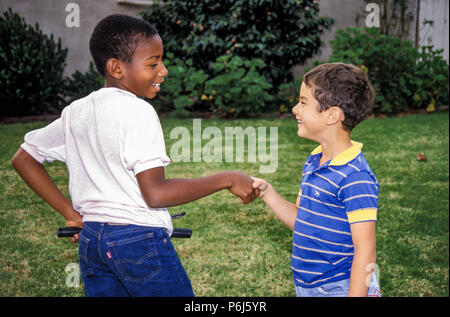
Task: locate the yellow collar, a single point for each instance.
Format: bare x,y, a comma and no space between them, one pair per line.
343,157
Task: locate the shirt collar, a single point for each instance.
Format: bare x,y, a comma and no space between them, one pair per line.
343,157
111,89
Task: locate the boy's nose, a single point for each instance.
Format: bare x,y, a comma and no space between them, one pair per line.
294,110
163,72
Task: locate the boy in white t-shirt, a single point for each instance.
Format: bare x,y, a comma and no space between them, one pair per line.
113,146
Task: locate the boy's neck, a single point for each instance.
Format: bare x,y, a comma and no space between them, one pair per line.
334,145
113,83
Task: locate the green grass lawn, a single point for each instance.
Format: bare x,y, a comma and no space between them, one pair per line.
243,250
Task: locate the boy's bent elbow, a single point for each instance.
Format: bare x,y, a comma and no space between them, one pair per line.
14,159
153,202
151,184
153,198
18,158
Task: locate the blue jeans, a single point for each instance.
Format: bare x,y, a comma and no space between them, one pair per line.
336,289
130,260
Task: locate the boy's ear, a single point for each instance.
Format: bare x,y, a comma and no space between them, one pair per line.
113,68
334,115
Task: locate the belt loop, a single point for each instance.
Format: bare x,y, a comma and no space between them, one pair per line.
100,231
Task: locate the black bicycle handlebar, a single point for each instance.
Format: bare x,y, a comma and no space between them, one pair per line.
177,232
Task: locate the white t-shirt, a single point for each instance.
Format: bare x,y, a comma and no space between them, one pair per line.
105,139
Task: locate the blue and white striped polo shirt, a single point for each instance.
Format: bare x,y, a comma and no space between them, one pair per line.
334,195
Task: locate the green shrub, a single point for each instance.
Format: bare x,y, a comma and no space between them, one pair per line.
79,84
288,95
182,88
281,33
238,88
431,79
31,68
402,75
233,87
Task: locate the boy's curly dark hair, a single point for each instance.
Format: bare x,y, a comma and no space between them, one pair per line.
117,36
345,86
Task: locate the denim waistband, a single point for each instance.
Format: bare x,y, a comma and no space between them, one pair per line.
104,229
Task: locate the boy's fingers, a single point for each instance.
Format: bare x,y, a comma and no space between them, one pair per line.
263,186
259,183
75,238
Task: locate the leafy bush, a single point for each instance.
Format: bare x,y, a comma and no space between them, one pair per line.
31,68
280,33
79,84
402,75
234,87
238,88
431,79
289,94
183,87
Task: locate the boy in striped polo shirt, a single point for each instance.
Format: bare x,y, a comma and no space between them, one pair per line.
333,220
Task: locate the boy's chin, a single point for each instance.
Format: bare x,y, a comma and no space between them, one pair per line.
148,95
304,136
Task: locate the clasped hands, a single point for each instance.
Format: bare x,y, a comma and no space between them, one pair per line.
246,188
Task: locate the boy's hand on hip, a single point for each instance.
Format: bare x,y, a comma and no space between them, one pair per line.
241,186
75,221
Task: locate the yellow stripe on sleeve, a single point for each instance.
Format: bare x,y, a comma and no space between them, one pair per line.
297,203
362,215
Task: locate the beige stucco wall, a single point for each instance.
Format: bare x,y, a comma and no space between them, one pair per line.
51,16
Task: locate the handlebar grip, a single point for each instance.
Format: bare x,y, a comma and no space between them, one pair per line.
181,233
67,231
178,215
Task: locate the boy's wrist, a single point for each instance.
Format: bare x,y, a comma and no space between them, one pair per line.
229,178
268,193
72,215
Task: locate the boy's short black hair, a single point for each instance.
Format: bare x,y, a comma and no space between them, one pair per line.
345,86
117,36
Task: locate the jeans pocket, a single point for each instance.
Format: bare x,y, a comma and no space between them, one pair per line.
136,257
83,245
335,289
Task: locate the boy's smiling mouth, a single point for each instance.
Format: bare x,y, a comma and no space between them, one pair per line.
156,86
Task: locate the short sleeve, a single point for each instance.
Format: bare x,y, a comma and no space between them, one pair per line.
46,144
359,193
144,143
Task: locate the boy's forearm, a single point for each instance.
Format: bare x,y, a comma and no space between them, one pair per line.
284,210
361,272
364,244
37,178
360,275
174,192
